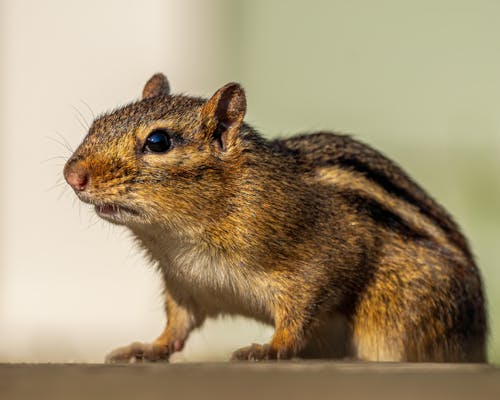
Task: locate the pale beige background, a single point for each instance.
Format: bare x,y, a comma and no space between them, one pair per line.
417,79
73,287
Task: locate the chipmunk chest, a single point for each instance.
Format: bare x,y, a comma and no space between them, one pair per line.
220,285
214,281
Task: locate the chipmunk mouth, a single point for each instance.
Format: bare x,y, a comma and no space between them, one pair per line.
114,211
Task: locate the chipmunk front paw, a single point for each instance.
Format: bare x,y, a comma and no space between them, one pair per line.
139,352
258,352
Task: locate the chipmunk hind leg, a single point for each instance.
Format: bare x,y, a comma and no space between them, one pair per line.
422,306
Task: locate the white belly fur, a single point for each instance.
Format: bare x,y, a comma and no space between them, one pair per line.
214,283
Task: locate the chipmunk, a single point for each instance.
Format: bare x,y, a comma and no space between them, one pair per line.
319,235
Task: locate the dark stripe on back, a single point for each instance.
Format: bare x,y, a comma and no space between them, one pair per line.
325,149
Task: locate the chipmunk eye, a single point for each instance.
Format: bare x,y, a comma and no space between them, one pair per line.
158,141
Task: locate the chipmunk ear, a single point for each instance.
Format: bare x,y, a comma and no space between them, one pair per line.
223,114
156,86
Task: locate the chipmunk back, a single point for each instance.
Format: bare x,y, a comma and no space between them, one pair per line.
318,235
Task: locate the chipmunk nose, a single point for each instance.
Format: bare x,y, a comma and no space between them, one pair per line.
76,176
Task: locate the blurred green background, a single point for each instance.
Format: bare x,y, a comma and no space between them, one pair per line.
418,80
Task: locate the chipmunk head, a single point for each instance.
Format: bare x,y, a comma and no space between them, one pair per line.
164,158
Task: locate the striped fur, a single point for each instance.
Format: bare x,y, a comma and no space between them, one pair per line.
319,235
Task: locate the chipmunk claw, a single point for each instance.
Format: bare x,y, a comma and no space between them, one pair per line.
258,352
138,353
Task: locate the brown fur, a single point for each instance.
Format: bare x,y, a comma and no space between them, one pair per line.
318,235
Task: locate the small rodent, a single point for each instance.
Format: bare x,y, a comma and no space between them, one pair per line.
319,235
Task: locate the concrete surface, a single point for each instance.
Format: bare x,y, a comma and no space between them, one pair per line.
288,380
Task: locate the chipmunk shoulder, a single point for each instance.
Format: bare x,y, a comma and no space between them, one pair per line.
319,235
